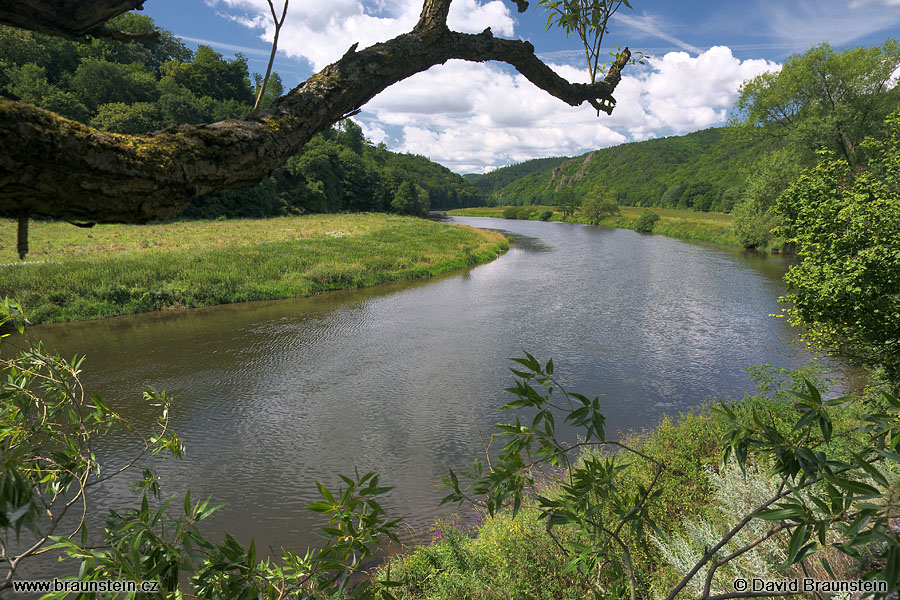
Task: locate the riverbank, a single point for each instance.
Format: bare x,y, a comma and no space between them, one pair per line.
683,224
697,501
74,274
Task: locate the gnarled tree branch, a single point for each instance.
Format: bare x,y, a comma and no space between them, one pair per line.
71,19
51,166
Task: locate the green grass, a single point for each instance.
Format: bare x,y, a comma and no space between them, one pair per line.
684,224
75,274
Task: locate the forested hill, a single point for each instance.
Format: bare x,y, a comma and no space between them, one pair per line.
498,179
704,170
142,86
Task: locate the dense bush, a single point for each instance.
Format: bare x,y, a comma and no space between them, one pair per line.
646,221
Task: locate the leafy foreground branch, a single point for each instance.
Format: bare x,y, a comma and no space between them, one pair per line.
49,431
829,469
835,490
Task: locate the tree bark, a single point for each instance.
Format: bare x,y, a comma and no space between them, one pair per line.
51,166
71,19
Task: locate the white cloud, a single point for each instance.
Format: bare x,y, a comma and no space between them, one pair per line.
373,132
473,117
226,46
470,16
805,23
321,32
860,3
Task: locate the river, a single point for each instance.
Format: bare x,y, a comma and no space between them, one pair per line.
402,378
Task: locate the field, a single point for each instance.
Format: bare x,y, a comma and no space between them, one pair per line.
74,274
685,224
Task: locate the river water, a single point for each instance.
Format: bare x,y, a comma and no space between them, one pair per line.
402,378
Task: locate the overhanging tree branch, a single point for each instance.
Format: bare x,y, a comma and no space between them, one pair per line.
59,168
71,19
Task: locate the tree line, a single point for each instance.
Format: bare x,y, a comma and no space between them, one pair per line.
146,85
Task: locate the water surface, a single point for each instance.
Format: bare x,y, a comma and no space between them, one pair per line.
402,378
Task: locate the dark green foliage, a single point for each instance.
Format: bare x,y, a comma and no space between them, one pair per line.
646,221
596,209
99,82
545,215
500,178
120,117
519,212
210,75
845,292
410,199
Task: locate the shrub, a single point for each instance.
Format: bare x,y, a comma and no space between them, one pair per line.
646,221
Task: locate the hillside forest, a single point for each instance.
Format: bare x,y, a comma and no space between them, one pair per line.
822,100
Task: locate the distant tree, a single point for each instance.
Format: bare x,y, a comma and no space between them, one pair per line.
177,104
671,196
752,226
699,195
211,75
823,98
568,202
99,82
596,209
274,89
29,84
646,221
754,217
410,199
118,117
350,134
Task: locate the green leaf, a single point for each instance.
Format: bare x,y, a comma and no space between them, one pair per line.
858,488
325,493
798,539
870,469
780,514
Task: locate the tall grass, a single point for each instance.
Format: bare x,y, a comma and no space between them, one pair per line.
75,274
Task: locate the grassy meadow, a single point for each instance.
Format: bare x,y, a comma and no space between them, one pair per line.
73,274
685,224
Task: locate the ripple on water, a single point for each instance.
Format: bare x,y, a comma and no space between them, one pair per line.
404,378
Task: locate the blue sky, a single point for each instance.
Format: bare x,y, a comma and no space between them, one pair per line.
473,117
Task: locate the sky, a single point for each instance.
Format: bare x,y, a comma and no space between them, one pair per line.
475,117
